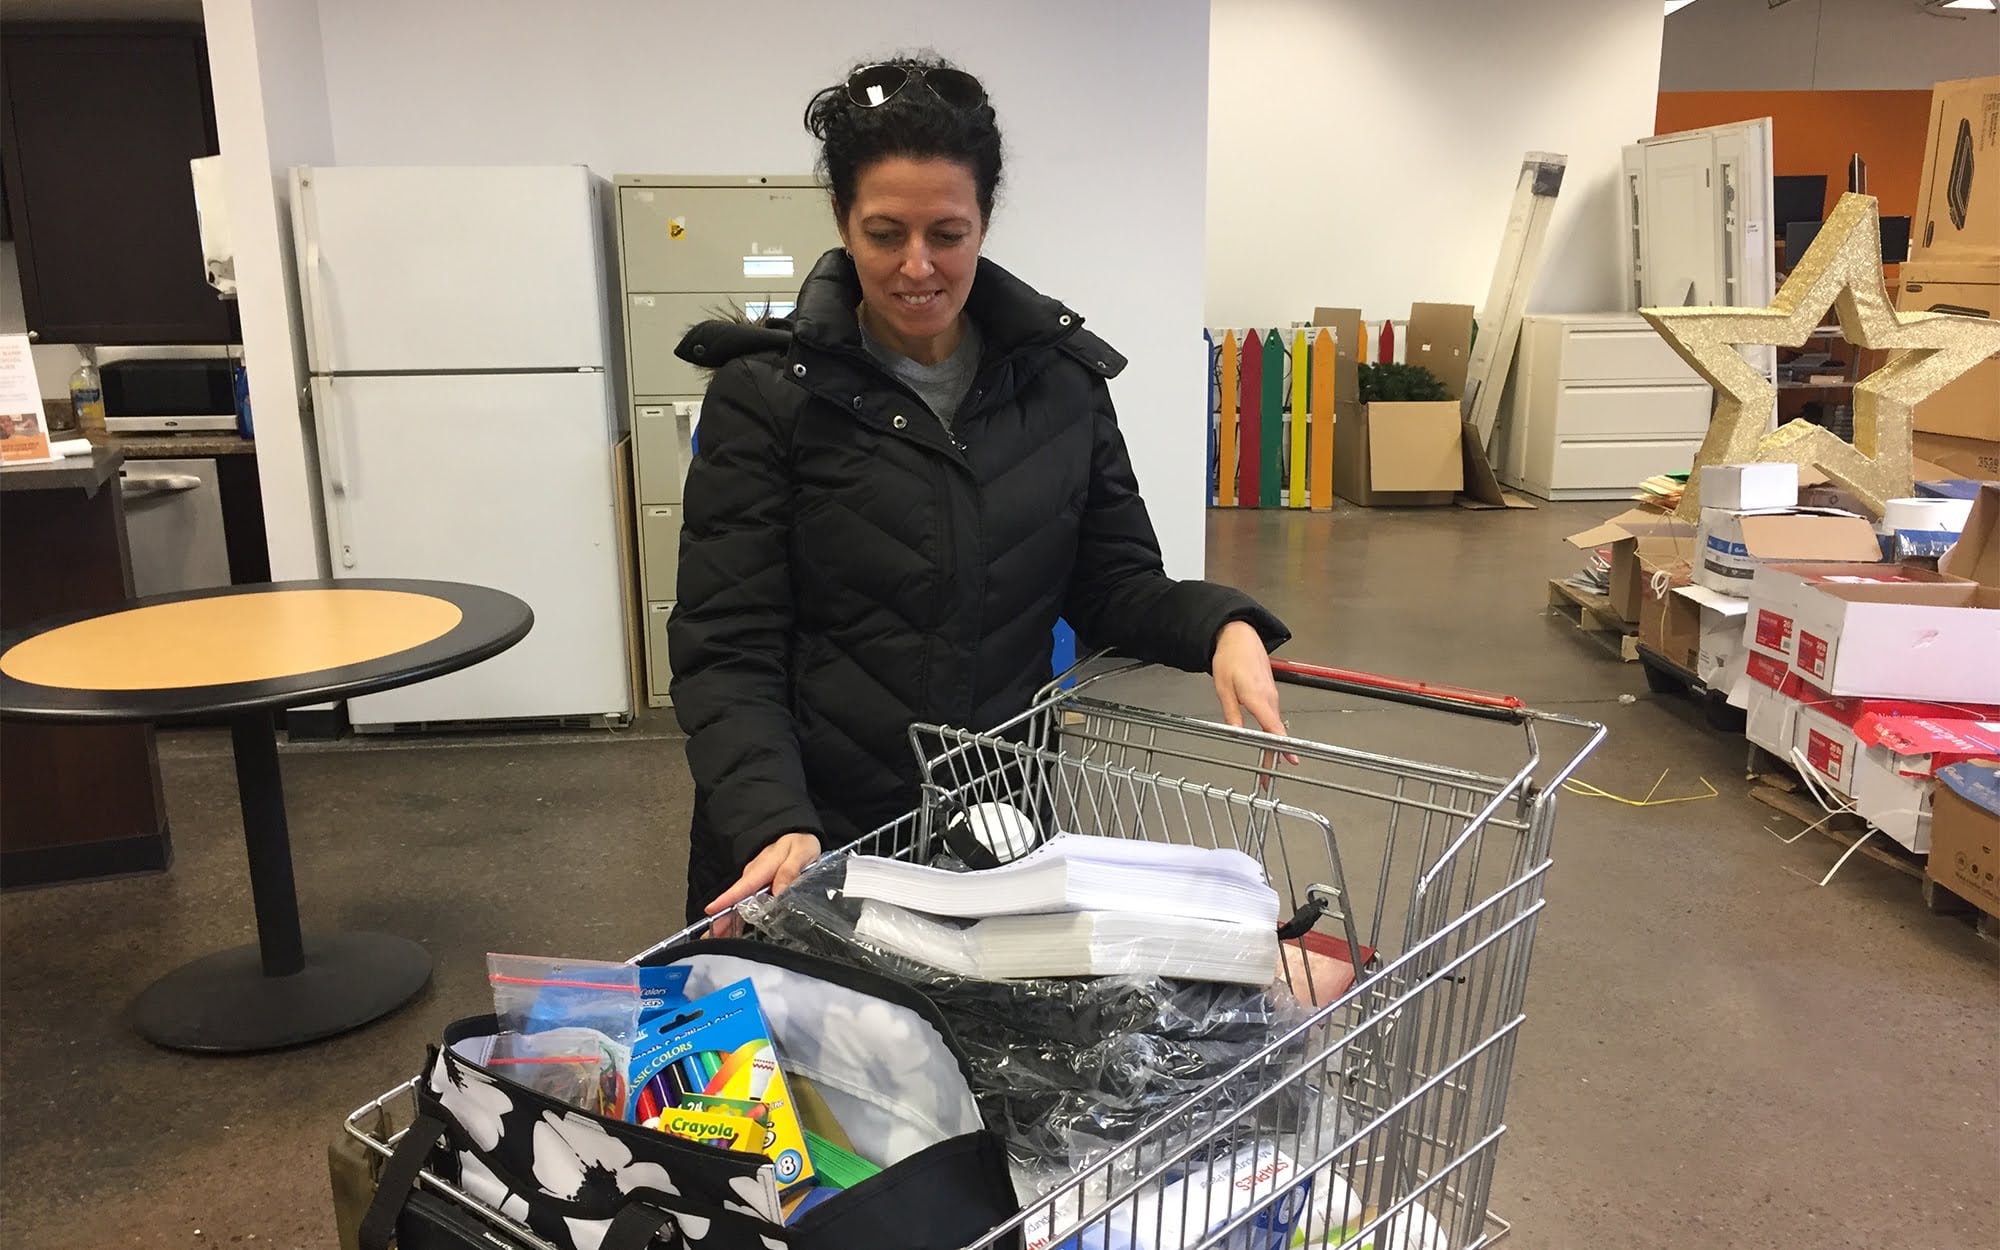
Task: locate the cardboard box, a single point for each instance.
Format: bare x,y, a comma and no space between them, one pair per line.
1965,458
1346,323
1719,645
1958,200
1734,545
1749,487
1639,543
1965,833
1670,626
1768,694
1827,745
1779,592
1386,455
1968,407
1914,641
1895,776
1439,337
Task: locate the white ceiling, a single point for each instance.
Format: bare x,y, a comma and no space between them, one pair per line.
100,10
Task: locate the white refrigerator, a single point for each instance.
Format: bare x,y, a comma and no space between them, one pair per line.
459,335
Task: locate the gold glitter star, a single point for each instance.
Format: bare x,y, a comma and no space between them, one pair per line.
1842,270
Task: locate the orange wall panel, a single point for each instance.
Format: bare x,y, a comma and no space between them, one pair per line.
1815,132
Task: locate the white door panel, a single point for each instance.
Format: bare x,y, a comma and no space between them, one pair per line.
498,480
443,269
1681,224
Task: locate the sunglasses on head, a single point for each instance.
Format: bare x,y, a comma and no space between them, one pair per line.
872,86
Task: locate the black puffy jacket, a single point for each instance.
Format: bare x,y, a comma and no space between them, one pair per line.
849,567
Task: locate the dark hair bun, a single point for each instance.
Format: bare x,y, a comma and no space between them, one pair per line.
915,122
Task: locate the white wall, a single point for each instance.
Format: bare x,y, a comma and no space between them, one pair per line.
1364,152
1823,45
1103,106
270,114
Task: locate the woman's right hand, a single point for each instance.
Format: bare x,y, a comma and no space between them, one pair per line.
777,866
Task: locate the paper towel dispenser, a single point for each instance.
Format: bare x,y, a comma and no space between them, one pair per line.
211,208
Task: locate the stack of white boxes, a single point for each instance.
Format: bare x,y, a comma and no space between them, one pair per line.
1751,518
1872,676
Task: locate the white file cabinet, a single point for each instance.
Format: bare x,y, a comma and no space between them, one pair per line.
1599,404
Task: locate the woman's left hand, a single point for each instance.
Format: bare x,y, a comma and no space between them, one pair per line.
1243,682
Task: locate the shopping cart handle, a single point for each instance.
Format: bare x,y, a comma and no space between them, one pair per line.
1480,703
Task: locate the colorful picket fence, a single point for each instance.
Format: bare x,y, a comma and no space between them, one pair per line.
1271,412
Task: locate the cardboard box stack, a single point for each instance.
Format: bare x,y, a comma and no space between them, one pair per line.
1954,266
1750,520
1875,676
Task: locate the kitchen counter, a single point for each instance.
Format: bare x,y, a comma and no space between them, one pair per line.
81,801
84,473
174,446
177,446
165,446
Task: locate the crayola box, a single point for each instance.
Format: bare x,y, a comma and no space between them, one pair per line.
705,1069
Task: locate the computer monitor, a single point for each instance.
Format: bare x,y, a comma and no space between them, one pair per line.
1797,197
1895,240
1798,237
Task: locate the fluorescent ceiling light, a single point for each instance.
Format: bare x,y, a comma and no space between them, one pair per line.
1986,6
1675,6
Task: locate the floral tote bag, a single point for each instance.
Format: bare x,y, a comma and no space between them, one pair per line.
878,1053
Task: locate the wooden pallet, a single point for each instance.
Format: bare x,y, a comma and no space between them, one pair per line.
1593,614
1847,829
1775,783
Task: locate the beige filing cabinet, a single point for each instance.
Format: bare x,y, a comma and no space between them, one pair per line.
1599,404
691,248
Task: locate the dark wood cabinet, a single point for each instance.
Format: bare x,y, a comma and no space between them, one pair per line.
98,125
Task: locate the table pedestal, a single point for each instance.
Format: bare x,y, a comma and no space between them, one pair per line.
286,989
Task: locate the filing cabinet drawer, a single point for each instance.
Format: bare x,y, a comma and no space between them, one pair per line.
661,436
660,549
659,673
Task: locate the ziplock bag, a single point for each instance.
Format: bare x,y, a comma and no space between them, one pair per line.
566,1027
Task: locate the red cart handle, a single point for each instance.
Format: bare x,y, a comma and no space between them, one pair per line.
1458,699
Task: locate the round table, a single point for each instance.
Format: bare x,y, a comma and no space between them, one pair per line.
246,652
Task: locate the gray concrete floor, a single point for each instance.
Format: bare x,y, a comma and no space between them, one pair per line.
1718,1051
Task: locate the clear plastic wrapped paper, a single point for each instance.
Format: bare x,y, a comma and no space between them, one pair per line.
1064,1068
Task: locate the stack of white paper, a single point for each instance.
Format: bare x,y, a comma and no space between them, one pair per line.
1071,872
1079,906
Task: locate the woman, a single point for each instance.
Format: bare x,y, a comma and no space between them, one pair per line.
898,492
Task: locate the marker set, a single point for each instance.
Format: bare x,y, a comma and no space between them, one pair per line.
705,1069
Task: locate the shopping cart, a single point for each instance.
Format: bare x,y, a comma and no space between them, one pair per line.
1425,880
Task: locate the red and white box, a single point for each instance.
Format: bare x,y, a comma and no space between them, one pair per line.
1896,773
1781,593
1827,744
1768,693
1934,637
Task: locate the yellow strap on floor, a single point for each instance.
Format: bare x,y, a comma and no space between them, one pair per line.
1589,791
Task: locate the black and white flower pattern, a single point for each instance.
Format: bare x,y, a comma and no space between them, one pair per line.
577,1160
473,1100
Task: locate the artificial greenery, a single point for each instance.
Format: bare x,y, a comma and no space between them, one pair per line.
1394,383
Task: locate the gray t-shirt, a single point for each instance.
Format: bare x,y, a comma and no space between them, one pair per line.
942,385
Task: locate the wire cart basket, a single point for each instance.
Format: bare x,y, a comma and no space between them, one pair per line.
1423,883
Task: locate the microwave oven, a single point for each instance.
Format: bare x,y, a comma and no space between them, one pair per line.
167,389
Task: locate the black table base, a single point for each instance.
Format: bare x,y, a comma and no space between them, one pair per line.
226,1003
285,990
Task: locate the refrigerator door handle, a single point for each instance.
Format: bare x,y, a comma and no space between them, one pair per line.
321,345
333,462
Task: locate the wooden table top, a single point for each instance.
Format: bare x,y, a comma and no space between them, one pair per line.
239,648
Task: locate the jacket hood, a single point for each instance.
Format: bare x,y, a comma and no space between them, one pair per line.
1011,315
